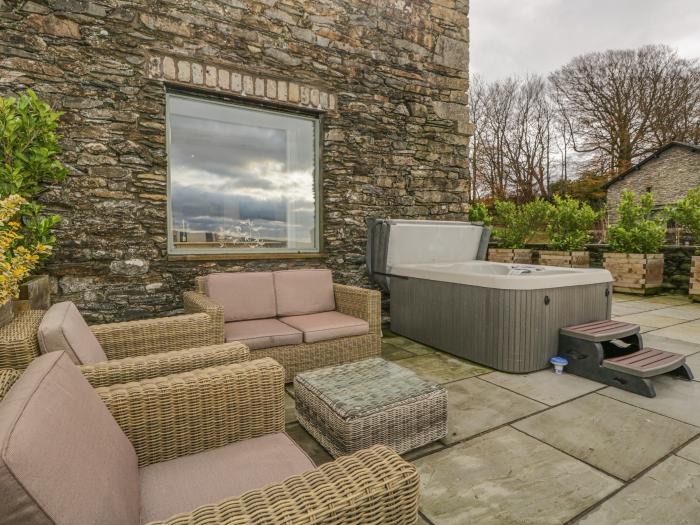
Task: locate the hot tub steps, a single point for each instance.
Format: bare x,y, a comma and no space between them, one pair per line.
612,352
647,362
599,331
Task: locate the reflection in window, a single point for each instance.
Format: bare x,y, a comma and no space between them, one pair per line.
240,179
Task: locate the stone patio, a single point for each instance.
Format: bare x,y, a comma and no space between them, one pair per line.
545,449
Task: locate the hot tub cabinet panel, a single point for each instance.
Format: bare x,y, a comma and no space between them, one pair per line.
505,316
512,330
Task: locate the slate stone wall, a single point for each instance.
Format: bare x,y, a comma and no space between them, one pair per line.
669,176
389,75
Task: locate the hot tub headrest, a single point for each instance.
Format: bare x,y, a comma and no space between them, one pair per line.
395,241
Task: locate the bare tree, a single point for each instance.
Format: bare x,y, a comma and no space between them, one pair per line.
512,145
619,105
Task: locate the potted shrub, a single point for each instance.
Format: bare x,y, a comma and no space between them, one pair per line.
515,226
479,213
29,162
686,215
635,241
569,222
18,256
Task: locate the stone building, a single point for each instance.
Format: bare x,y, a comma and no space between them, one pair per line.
669,173
362,103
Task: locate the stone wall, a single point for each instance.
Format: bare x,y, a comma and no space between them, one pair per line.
390,75
669,176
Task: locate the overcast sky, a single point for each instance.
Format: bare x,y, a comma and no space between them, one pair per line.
537,36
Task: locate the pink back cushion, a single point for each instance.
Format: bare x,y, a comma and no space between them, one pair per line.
63,458
244,295
301,292
63,329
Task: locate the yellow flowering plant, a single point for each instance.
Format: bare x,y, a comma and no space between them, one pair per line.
17,257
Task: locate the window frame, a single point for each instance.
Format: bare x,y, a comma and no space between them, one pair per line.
243,102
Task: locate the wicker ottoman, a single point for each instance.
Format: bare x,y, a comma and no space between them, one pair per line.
356,405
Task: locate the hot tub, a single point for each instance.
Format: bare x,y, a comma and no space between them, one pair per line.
504,316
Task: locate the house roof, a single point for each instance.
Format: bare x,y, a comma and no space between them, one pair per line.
692,147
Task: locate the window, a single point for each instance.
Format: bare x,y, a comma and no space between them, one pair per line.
241,179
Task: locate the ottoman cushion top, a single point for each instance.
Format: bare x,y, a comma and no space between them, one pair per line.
364,387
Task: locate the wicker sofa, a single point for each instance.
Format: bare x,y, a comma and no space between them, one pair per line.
201,447
130,351
296,299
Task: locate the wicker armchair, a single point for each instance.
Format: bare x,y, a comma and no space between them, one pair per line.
149,348
162,346
185,414
8,376
152,443
295,358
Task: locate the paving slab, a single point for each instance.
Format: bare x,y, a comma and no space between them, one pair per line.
475,406
639,306
642,329
691,451
693,361
419,452
289,387
442,368
671,345
394,353
308,444
667,494
617,438
544,386
636,307
623,297
650,319
507,477
689,332
668,299
688,312
290,414
676,398
413,347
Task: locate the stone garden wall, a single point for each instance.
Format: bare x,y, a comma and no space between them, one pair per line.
390,76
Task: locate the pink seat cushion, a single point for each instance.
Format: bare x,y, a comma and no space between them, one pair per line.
301,292
63,329
262,333
327,325
244,295
185,483
63,458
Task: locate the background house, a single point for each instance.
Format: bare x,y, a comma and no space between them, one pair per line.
669,173
368,104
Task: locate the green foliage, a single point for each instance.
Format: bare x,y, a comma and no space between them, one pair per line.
479,213
686,213
587,188
569,222
518,223
38,228
638,229
28,145
29,160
